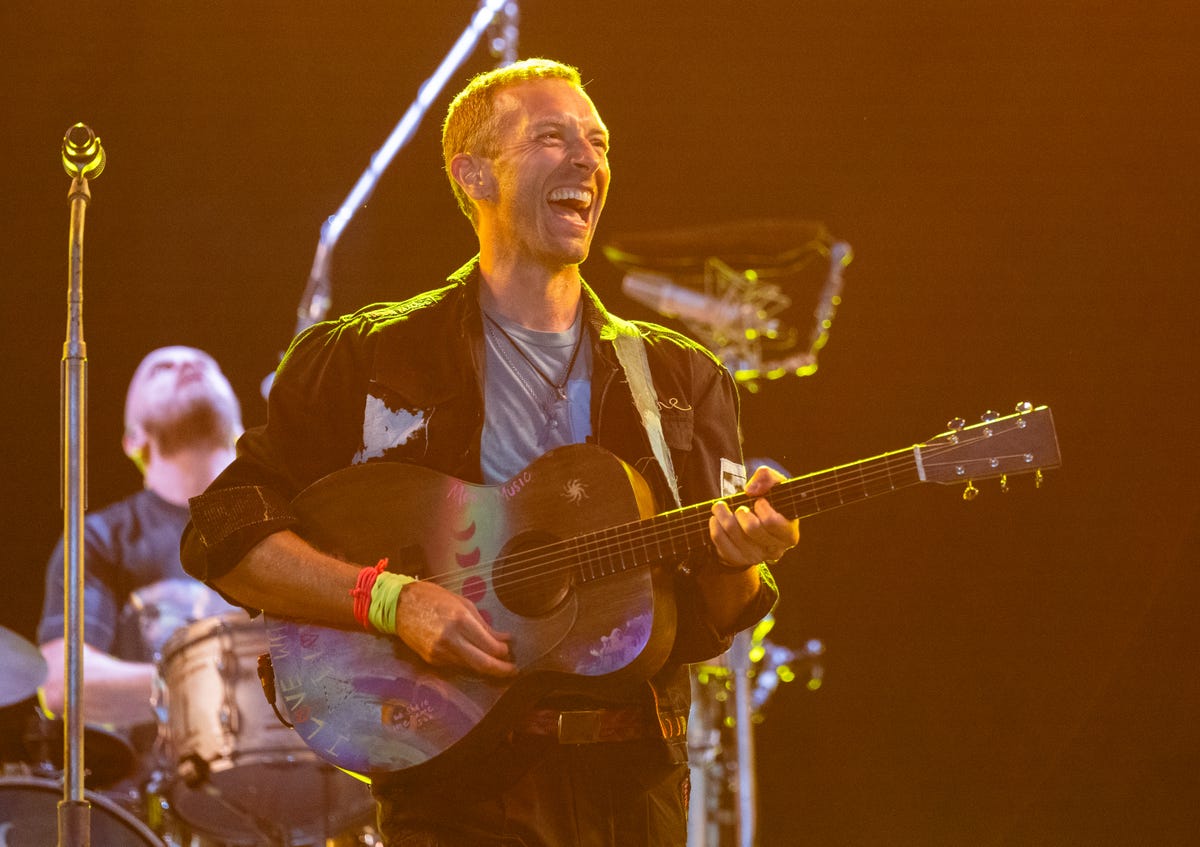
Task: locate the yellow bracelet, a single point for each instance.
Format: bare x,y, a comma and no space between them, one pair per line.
385,597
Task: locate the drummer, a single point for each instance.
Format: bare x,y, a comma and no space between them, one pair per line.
181,421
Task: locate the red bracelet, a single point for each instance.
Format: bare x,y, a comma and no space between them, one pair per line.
361,592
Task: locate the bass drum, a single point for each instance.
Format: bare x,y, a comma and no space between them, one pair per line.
234,772
29,817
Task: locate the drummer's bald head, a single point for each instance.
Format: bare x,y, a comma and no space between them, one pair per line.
178,397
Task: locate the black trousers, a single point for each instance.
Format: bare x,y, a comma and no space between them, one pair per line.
535,792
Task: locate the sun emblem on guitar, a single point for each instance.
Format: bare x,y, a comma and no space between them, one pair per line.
575,492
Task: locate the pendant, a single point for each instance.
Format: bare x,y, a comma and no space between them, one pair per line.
556,431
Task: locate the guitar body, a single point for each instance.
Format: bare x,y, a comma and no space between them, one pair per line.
369,705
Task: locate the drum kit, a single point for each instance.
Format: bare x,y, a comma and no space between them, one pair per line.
217,770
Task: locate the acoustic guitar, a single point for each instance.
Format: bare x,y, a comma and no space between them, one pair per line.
570,557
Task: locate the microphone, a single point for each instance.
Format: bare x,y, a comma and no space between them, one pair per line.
677,301
82,155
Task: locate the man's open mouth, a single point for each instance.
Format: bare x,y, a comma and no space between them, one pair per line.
574,201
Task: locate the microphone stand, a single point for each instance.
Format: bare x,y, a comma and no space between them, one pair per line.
498,15
83,157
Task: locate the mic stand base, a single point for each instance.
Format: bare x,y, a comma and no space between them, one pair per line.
74,823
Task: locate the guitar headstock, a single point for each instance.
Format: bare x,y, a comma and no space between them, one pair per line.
1023,442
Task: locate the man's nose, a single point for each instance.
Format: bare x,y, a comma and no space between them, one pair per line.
585,155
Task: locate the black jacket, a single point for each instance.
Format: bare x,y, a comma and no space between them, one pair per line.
418,360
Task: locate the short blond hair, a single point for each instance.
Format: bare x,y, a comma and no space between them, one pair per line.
472,125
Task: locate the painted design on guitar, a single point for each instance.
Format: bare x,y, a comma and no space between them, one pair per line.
513,487
575,492
322,736
459,493
620,647
407,715
468,560
471,556
474,588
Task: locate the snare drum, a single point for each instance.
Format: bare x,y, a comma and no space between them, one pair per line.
238,773
29,817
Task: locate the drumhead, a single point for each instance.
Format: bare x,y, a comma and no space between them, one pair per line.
29,817
236,625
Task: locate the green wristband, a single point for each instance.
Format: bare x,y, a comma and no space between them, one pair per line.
385,597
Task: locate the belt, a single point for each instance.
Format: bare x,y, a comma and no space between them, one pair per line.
589,726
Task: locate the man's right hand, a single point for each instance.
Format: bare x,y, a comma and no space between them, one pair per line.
446,629
286,576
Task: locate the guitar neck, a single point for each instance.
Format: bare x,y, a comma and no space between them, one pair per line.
673,535
1022,442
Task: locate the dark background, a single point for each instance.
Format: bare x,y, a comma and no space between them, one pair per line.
1018,183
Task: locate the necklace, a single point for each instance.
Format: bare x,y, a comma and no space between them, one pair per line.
559,388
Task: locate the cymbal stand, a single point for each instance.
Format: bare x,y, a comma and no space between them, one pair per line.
499,19
728,697
83,158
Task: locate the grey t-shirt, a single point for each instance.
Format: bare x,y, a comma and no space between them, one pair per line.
524,415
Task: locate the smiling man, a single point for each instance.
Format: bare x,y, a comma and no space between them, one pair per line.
475,381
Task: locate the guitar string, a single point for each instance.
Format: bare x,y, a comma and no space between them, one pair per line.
602,556
613,537
620,534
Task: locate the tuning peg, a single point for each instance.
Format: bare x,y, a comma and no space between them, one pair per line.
970,492
1024,408
956,424
989,416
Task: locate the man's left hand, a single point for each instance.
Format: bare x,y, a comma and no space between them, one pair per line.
748,535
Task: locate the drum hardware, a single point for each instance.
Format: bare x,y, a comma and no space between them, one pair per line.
728,697
108,755
31,744
28,816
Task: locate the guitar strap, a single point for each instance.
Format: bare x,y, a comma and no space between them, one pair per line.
631,352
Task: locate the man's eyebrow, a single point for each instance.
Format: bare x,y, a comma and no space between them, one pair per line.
558,122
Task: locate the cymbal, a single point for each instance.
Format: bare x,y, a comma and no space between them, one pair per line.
22,668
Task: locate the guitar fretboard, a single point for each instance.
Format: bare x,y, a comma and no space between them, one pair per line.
675,534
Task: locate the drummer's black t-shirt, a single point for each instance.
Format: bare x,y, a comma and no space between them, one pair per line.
128,545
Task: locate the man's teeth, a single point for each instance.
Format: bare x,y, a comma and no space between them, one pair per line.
577,194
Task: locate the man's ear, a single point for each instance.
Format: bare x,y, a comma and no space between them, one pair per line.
474,175
136,444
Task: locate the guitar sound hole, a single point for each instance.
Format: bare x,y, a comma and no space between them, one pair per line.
529,580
